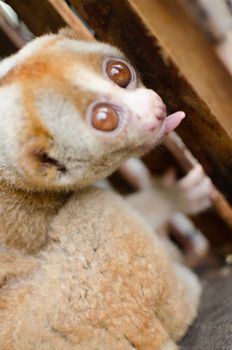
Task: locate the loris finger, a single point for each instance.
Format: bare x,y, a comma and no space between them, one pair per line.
201,190
194,177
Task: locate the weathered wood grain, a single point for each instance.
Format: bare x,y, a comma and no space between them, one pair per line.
181,66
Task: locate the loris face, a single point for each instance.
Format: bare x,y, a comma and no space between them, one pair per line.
73,111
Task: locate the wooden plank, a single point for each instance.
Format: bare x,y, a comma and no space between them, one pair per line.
181,66
215,19
224,50
39,16
214,16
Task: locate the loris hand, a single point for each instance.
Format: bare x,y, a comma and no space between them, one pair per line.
157,199
193,193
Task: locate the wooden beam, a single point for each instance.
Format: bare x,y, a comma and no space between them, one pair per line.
181,66
38,15
214,16
224,50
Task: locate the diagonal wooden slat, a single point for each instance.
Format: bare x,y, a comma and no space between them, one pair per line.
70,18
10,32
181,66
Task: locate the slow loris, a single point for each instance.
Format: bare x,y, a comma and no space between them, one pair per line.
79,268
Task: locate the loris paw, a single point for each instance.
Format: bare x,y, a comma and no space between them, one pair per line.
194,191
193,243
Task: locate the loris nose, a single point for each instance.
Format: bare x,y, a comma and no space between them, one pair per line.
145,103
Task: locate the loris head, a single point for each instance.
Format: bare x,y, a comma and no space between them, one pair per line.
71,112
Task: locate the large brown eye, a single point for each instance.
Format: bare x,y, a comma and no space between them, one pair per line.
105,117
119,72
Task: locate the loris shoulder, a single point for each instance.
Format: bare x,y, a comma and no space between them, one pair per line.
98,278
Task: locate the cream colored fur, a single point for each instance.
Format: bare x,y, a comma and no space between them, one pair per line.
79,269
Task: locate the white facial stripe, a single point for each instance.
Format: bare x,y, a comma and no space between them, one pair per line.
87,80
30,49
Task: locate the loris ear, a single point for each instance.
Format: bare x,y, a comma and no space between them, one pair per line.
36,162
81,34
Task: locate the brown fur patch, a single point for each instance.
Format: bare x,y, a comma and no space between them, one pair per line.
52,70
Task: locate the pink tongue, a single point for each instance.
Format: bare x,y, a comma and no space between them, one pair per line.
173,120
